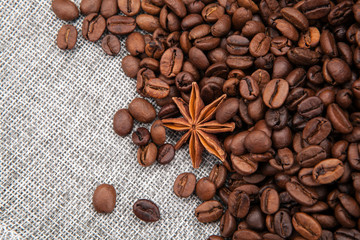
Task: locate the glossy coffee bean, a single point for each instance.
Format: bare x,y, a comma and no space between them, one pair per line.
131,66
310,107
257,142
269,201
93,27
65,9
146,210
209,211
244,164
249,88
120,25
239,203
300,193
142,110
282,224
277,118
135,44
90,6
275,93
227,224
166,154
205,189
316,130
171,62
66,38
147,22
218,175
129,8
111,45
245,234
184,185
108,8
295,17
146,155
338,119
310,156
141,136
227,110
328,171
306,226
104,198
122,122
255,219
157,131
156,88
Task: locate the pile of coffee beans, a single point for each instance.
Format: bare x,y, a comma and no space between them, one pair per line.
290,70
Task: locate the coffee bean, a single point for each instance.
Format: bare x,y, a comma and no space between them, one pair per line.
269,201
276,118
296,78
295,17
198,58
338,119
66,38
240,62
104,198
344,233
237,45
171,62
317,9
343,217
310,107
184,185
259,45
135,44
149,7
120,25
205,189
282,224
209,211
257,142
93,27
213,237
350,204
122,122
111,45
316,130
303,56
146,155
341,13
108,8
141,136
310,156
222,26
147,22
227,224
275,93
300,193
280,45
284,160
306,226
156,88
328,171
65,9
146,210
287,29
249,88
129,7
238,203
158,134
243,164
246,234
339,70
142,110
218,175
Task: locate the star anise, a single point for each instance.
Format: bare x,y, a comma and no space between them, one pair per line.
197,121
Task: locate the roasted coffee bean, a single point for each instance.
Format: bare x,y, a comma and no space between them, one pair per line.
218,175
66,38
237,145
249,88
306,226
303,56
277,118
328,171
284,160
108,8
240,17
310,107
142,110
129,7
238,203
171,62
296,78
135,44
354,156
122,122
338,119
287,29
280,45
350,204
157,131
295,17
141,136
255,219
184,185
205,189
240,62
198,58
269,201
146,210
281,67
259,45
65,9
275,93
343,217
282,224
142,77
93,27
227,110
177,6
310,156
316,130
212,12
130,65
257,142
328,44
227,224
90,6
166,154
341,13
104,198
252,28
316,9
213,237
209,211
339,70
281,138
344,233
120,25
222,26
183,81
147,22
244,164
344,98
146,155
246,234
152,64
111,45
156,88
303,195
310,38
169,110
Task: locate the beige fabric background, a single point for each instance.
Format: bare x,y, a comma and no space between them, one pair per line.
57,142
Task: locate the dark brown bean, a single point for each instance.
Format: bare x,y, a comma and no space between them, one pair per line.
238,203
328,171
93,27
146,155
104,198
184,185
209,211
129,8
65,9
66,38
146,210
122,122
111,45
120,25
306,225
142,110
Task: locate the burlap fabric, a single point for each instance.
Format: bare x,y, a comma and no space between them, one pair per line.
57,141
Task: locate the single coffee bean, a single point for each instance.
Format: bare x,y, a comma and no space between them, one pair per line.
303,195
338,119
147,22
130,65
238,203
343,217
166,154
310,107
111,45
129,7
282,224
149,7
277,118
123,122
218,175
249,89
156,88
120,25
296,78
212,12
146,210
306,226
142,110
246,234
314,75
269,201
237,45
222,26
279,46
90,6
141,136
237,146
146,155
198,58
328,171
339,70
310,156
275,93
284,160
65,9
108,8
328,44
104,198
227,110
158,134
213,237
244,164
350,204
281,67
341,13
184,185
354,156
169,110
177,6
257,142
227,224
287,29
239,62
317,207
303,56
205,189
295,17
66,38
316,9
259,45
171,62
316,130
209,211
93,27
135,44
281,138
255,219
183,81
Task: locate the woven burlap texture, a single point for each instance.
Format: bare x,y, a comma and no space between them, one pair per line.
57,142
